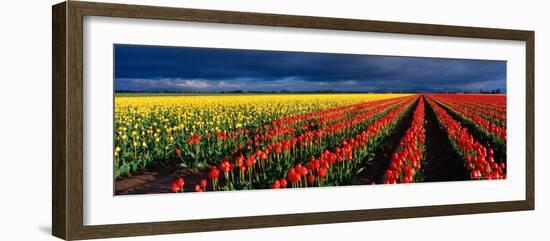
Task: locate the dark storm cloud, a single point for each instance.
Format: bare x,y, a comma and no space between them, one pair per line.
151,68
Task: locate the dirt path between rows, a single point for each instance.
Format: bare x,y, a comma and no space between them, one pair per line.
442,163
158,181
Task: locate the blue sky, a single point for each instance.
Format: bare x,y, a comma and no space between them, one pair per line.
157,68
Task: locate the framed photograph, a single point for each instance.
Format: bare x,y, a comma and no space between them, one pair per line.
171,120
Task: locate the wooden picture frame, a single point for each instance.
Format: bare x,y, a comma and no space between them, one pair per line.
67,148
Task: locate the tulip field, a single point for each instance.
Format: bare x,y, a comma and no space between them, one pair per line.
223,142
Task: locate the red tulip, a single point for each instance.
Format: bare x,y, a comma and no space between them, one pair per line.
322,172
177,151
225,166
180,182
311,178
276,184
283,182
194,140
293,176
175,187
304,171
214,173
250,161
393,165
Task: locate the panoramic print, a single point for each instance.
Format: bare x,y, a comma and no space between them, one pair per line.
206,119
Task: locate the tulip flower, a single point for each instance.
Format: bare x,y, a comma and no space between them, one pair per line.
175,187
282,182
276,184
180,182
311,178
177,151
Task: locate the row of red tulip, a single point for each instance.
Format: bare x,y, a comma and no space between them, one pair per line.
481,123
495,103
335,165
406,162
478,159
178,185
491,114
289,123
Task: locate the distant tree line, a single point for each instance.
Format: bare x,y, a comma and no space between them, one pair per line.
494,91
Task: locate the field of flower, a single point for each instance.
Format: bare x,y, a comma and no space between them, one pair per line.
260,141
